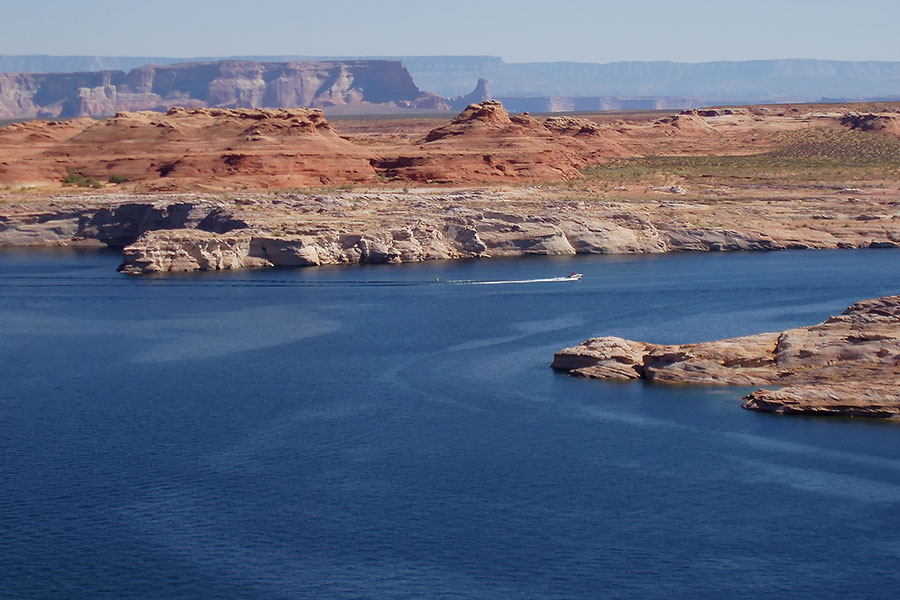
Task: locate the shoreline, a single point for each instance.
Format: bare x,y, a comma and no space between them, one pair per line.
203,232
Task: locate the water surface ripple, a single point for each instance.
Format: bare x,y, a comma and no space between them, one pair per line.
371,432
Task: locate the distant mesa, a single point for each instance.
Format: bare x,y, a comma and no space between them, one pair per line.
223,84
718,112
535,87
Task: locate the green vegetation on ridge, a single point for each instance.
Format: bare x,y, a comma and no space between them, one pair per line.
800,157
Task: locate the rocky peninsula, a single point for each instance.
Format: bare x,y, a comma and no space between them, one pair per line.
849,365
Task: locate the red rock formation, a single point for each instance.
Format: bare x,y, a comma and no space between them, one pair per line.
488,117
227,148
576,126
485,143
191,147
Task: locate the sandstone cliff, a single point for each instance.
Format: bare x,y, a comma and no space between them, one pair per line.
396,226
224,84
848,365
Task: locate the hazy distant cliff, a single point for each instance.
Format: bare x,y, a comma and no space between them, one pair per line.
226,84
732,81
539,86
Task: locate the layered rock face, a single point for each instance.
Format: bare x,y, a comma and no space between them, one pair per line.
196,148
182,250
206,148
397,226
376,228
848,365
224,84
188,147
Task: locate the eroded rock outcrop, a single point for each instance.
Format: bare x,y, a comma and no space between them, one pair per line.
478,119
686,122
575,126
113,221
848,365
878,122
871,400
187,250
394,226
484,143
196,148
188,148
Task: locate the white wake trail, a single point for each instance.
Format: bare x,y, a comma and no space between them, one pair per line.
515,281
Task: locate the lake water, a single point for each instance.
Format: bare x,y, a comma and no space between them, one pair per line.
367,432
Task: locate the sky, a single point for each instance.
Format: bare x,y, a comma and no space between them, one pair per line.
518,31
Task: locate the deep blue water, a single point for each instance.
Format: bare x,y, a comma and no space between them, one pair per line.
365,432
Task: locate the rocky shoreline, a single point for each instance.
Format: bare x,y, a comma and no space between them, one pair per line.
848,365
196,232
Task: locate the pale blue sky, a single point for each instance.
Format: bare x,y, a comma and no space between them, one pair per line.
522,30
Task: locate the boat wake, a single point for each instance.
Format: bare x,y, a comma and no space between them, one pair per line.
192,280
572,277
